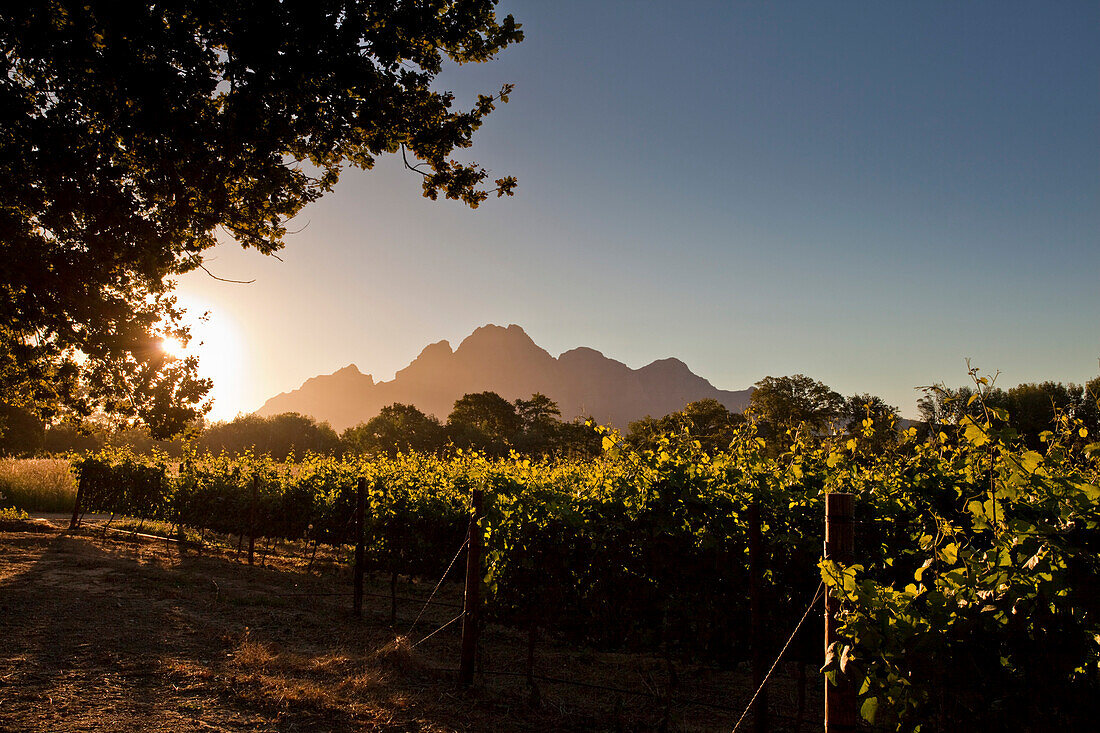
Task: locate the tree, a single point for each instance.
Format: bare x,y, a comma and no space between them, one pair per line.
21,433
869,416
277,436
1031,408
711,423
483,421
707,421
941,406
133,132
539,424
1089,411
395,428
785,403
75,437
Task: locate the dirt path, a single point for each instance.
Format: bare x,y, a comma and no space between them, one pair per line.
100,634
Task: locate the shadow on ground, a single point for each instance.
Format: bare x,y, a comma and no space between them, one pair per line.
102,634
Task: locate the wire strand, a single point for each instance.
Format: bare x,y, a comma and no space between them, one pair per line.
817,595
441,579
456,618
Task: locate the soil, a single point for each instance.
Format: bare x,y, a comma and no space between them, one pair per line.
100,633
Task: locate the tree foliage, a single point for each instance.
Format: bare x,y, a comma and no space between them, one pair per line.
21,432
397,428
278,436
707,421
484,421
134,132
786,403
1030,409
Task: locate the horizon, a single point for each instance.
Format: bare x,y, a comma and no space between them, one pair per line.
868,196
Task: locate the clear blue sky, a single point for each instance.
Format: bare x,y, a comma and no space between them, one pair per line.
866,193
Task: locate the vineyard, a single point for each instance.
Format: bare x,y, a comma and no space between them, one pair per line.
974,597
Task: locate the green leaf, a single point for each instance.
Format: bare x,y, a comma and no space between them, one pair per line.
975,435
920,571
869,709
1030,461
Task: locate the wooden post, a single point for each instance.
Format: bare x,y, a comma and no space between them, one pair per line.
473,592
756,621
75,521
360,512
840,699
252,520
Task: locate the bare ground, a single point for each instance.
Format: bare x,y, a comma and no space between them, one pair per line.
97,633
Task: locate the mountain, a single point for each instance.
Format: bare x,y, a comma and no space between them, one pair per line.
582,381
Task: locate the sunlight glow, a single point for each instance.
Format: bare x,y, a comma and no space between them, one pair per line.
173,347
216,341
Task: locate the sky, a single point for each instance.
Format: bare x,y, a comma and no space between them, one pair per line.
865,193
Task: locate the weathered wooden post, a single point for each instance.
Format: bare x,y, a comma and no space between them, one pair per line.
756,621
360,512
840,699
75,521
470,607
252,520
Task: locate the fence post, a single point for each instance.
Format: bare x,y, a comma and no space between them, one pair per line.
360,511
840,699
756,621
252,520
75,521
470,607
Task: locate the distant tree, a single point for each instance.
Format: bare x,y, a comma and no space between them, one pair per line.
139,440
1090,407
1032,408
942,406
707,421
483,421
785,403
578,438
711,423
98,432
645,432
74,436
880,431
539,424
277,436
22,433
396,428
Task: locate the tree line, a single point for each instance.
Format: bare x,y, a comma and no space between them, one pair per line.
490,424
484,422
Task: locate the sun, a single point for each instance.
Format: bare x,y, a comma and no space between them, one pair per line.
217,343
173,347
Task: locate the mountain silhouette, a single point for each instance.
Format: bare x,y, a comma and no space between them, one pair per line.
583,382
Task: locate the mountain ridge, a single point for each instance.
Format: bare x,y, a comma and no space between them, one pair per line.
583,382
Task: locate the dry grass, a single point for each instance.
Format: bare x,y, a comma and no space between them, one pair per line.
37,484
328,683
